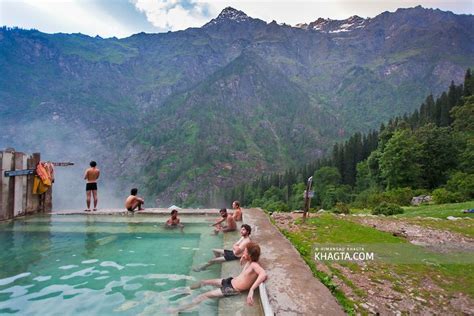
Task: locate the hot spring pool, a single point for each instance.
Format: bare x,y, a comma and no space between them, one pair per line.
102,265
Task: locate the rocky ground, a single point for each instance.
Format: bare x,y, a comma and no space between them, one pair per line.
443,241
380,288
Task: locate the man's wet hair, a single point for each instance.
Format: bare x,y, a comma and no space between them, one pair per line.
253,250
134,191
174,211
247,228
223,210
237,203
93,163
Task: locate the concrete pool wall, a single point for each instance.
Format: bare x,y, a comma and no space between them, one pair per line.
291,288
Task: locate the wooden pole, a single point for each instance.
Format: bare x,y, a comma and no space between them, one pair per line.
19,199
307,200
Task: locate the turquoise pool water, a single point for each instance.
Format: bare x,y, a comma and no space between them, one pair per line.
101,265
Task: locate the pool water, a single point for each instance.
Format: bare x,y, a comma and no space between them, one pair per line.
102,265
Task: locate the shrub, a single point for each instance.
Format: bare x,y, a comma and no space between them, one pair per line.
277,206
442,196
462,184
385,208
400,196
341,208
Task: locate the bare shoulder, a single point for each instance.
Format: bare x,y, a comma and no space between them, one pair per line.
255,266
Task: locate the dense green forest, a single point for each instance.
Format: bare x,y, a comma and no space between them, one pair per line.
430,151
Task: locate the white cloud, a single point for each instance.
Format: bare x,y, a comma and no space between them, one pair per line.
72,16
67,16
173,14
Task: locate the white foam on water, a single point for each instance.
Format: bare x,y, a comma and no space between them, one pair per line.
139,237
126,306
102,277
131,251
90,261
57,260
42,278
71,266
131,287
73,255
160,283
81,273
195,248
111,264
17,290
13,278
139,264
185,248
172,277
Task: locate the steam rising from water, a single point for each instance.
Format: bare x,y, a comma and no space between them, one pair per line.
59,140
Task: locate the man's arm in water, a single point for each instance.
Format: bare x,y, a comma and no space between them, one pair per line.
262,275
218,222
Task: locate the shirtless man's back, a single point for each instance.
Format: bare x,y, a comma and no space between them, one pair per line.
133,201
91,176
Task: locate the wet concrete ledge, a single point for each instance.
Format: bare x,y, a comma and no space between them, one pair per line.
291,287
147,211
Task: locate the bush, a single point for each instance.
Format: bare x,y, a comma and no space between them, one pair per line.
341,208
400,196
385,208
442,196
462,184
277,206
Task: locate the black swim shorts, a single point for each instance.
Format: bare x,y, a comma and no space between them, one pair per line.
91,186
229,255
227,289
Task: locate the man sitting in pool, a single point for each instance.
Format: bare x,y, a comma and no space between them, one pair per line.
249,279
173,221
222,255
229,219
133,201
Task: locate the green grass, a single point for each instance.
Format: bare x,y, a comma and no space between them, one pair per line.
414,265
439,210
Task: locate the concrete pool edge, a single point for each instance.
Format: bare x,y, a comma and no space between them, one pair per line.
287,287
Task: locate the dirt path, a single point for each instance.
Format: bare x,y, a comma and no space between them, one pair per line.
442,241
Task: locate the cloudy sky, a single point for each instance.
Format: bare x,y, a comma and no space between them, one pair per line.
122,18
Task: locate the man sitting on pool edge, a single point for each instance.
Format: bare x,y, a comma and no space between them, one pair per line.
250,278
229,219
223,255
133,201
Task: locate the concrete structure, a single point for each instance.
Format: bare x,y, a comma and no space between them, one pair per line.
16,192
292,289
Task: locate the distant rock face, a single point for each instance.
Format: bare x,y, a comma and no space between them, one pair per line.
335,26
183,114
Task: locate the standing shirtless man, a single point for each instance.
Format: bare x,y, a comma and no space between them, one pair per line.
91,176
